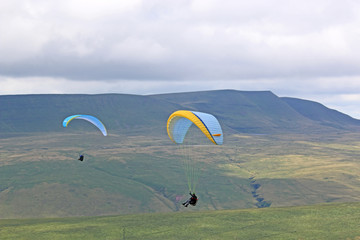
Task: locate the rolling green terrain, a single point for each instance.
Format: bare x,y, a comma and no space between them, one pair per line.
320,222
40,176
237,111
277,152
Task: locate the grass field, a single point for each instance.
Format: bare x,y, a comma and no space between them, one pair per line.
40,176
328,221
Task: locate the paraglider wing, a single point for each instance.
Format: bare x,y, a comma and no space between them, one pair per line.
180,121
193,132
88,118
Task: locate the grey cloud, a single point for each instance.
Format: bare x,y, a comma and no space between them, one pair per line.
294,48
183,40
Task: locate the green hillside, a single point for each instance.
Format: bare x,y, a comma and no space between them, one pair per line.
40,176
45,113
275,153
321,114
320,222
263,112
238,111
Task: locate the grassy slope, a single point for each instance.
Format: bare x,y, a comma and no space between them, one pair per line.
115,177
319,113
45,113
262,112
40,176
249,112
298,170
141,171
255,112
329,221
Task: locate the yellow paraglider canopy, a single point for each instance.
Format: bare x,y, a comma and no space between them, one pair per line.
205,122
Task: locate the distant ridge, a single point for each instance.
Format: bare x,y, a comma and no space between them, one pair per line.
319,113
238,111
263,111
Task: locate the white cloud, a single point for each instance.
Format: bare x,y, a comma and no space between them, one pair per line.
203,39
296,48
137,50
95,9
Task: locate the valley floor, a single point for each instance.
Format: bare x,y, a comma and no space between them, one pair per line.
326,221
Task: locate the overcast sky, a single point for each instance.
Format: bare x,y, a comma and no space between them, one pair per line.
296,48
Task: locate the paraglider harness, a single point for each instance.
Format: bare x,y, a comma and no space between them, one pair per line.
192,200
81,158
